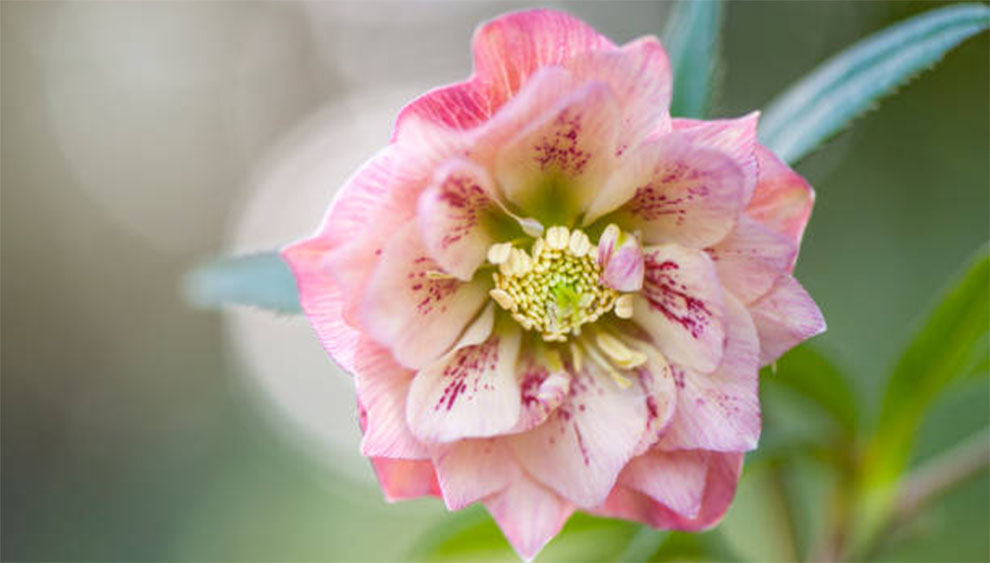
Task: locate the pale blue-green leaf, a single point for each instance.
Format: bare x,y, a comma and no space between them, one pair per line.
260,280
691,37
826,100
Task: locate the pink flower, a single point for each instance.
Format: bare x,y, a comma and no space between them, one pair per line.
553,296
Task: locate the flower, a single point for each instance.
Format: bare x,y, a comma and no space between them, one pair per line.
552,296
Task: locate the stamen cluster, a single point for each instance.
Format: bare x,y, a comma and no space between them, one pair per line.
557,287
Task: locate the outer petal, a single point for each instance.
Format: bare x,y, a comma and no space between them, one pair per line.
681,306
674,479
783,199
382,386
674,191
510,48
405,308
720,487
639,76
554,167
529,514
751,258
720,411
457,217
322,299
471,392
785,317
735,137
579,451
470,470
403,479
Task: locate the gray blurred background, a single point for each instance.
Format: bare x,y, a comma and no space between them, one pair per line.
140,139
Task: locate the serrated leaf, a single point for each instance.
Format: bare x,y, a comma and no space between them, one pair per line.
808,373
843,87
691,37
259,280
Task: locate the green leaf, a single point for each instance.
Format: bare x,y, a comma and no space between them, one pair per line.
691,37
950,346
808,373
261,280
472,535
843,87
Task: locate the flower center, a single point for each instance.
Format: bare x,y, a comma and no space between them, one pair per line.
557,287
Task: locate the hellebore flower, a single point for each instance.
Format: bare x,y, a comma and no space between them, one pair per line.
552,296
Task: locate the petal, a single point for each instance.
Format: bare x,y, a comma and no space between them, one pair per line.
406,308
639,75
720,411
657,380
322,299
580,449
458,218
554,167
510,48
782,199
404,479
674,479
470,470
621,259
382,386
542,390
674,191
751,258
471,392
681,306
735,137
785,317
720,487
529,514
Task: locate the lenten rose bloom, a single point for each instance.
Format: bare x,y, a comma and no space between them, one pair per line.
552,296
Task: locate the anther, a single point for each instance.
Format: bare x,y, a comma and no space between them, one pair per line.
499,253
624,306
579,243
503,299
558,237
438,275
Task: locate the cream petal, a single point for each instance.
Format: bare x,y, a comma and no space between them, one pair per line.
681,306
470,470
751,258
735,137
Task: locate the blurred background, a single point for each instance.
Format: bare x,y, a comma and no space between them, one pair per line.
141,139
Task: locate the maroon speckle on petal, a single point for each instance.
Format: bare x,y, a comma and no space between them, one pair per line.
668,294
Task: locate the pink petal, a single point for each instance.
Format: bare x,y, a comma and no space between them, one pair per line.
783,199
674,479
470,470
529,514
785,317
674,191
657,381
471,392
510,48
404,479
417,316
639,76
681,306
457,217
720,411
542,391
322,299
735,137
580,449
554,167
751,258
621,258
382,386
720,486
